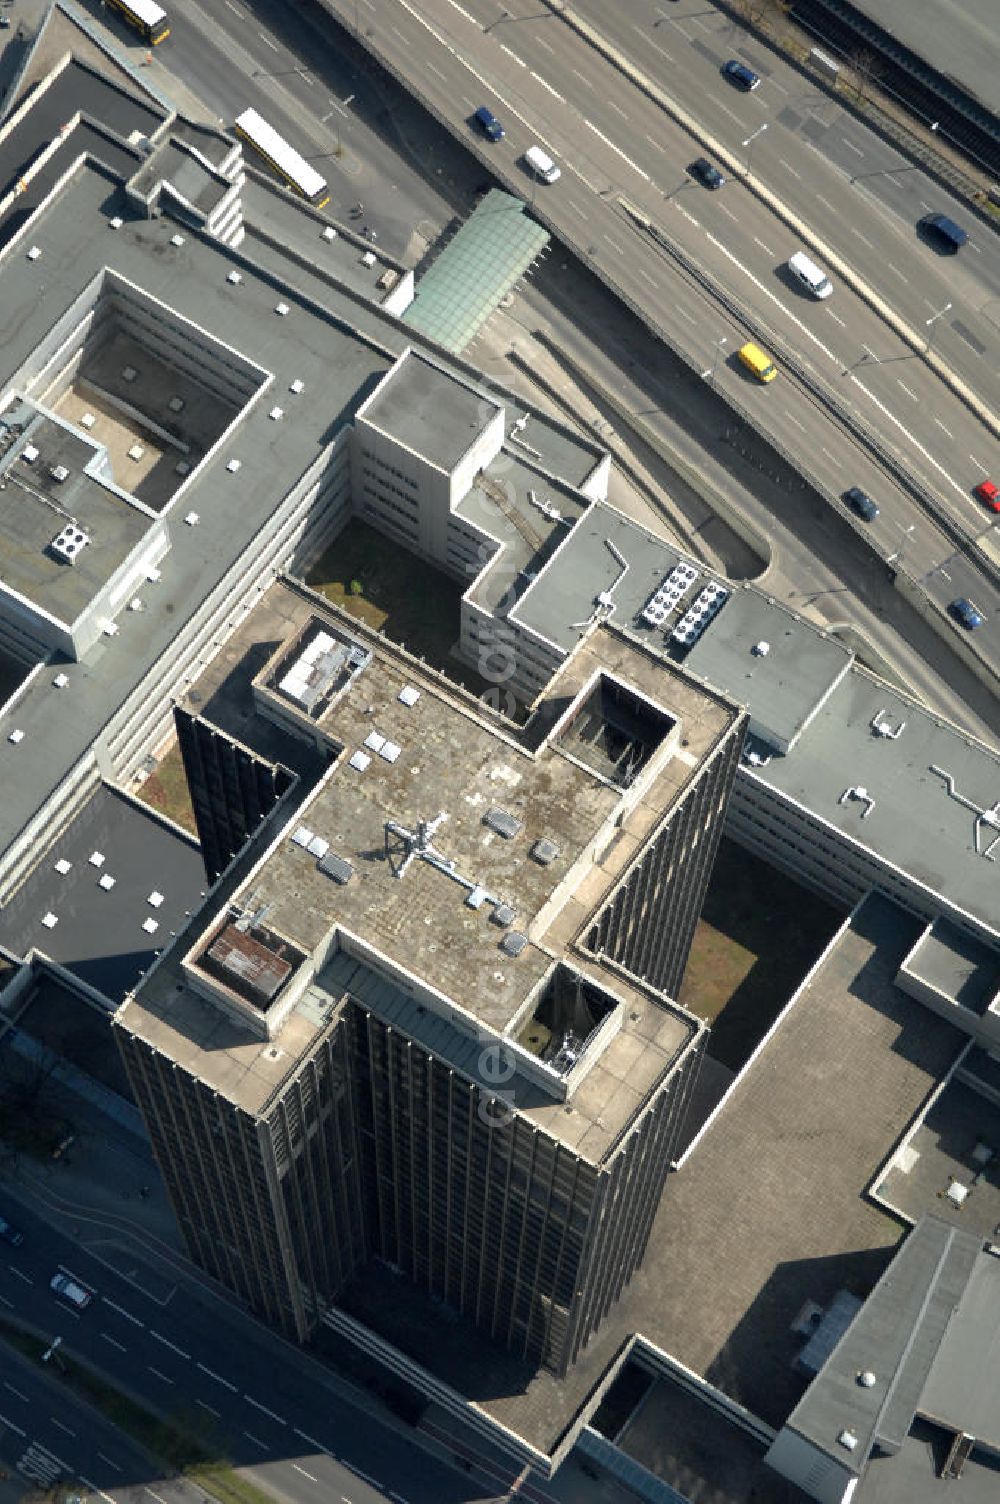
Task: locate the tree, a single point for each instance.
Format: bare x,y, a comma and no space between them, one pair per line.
866,68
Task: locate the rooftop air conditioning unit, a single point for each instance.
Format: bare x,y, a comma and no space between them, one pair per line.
70,543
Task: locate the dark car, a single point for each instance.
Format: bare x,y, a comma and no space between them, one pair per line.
10,1234
860,502
965,612
740,75
709,176
488,123
943,232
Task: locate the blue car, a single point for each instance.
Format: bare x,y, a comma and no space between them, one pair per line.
965,612
488,123
11,1234
740,75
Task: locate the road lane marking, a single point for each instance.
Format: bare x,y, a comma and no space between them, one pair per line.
789,168
8,1303
825,202
617,108
455,6
978,463
731,113
896,269
265,38
313,1442
862,238
98,1491
907,390
120,1345
831,457
545,85
20,1396
763,247
304,1473
732,216
158,1374
792,419
264,1410
258,1443
538,41
614,245
602,137
432,69
153,1495
647,278
110,1461
4,1421
513,55
576,208
122,1312
210,1408
59,1423
684,314
851,146
658,144
167,1343
20,1275
943,429
577,74
836,318
218,1378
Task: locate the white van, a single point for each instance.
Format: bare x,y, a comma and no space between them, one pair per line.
542,166
812,277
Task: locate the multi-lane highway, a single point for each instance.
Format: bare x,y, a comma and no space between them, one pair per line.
620,149
180,1351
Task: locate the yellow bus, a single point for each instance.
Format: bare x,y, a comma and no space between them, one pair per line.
149,20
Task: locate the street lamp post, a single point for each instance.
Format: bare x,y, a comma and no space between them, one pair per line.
929,324
46,1355
897,556
749,142
718,351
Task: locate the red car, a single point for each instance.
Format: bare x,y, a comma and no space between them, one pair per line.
989,492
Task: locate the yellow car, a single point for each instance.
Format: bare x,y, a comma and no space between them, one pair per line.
758,361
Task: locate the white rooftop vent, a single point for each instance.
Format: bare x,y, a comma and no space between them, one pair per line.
476,897
106,882
233,466
50,920
60,681
329,233
87,421
359,761
390,751
111,629
374,741
761,649
29,454
136,452
59,473
235,278
409,696
63,866
847,1440
957,1192
182,467
303,836
155,899
153,575
276,414
866,1379
129,373
192,519
176,404
16,736
150,926
135,604
318,846
281,309
605,599
368,259
96,859
177,240
296,386
70,543
116,222
34,253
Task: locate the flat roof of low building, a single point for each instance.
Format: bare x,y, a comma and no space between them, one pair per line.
429,411
107,929
772,660
46,489
500,503
956,966
915,824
